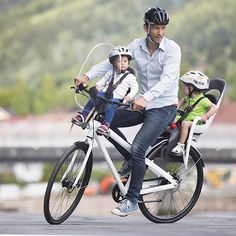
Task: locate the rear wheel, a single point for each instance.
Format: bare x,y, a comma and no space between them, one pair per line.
61,197
169,206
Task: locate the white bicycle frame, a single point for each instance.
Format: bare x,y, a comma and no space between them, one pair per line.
101,140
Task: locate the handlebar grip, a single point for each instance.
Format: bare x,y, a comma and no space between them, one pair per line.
82,87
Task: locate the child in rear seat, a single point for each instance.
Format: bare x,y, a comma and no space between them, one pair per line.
194,84
114,85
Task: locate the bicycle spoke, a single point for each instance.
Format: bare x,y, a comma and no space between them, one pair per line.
171,205
62,195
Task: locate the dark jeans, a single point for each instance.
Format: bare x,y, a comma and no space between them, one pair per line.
110,108
154,122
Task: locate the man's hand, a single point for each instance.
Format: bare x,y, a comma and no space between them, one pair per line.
81,80
139,103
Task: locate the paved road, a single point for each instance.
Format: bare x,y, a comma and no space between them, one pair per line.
196,224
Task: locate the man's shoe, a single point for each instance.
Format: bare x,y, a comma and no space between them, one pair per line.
125,208
125,169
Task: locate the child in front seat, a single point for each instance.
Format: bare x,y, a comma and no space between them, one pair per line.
194,84
118,84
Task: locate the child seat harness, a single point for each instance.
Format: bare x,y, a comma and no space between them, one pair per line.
187,110
112,86
176,127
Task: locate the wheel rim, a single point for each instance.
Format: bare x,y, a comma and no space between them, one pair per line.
171,205
63,196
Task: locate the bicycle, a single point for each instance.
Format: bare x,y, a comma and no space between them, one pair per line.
171,186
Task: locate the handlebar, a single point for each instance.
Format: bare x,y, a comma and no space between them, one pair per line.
93,94
81,87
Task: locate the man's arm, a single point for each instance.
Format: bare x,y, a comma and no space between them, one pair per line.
97,70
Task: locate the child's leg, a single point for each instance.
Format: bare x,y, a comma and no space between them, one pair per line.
81,116
180,147
109,113
110,110
88,107
185,127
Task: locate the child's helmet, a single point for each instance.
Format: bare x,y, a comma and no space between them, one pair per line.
156,15
120,50
197,79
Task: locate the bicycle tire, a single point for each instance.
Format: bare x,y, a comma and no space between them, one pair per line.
169,206
61,199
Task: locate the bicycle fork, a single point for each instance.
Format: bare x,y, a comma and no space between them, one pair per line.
88,152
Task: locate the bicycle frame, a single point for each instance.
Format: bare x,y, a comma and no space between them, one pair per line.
171,185
101,139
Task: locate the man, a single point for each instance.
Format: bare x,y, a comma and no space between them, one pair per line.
158,64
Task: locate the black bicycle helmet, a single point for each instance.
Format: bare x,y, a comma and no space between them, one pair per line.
156,15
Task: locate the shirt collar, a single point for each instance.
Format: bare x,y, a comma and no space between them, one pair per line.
162,45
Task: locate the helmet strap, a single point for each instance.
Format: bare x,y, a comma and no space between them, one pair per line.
149,37
120,62
114,61
190,91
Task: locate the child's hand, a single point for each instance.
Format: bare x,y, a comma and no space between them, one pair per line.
204,118
127,99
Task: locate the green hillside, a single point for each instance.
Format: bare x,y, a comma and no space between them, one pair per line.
205,30
48,36
43,43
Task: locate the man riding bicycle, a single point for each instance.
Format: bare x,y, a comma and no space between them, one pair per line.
158,65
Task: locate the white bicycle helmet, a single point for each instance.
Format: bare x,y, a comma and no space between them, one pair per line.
197,79
120,50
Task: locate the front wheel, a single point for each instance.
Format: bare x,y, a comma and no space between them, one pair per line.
169,206
61,196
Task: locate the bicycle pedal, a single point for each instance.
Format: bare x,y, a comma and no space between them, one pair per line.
100,133
83,125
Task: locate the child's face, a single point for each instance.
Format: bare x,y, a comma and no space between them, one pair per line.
121,63
186,89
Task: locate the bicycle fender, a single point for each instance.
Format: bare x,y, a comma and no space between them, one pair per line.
193,149
160,147
157,147
82,144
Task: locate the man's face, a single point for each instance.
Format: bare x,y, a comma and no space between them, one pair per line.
156,32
